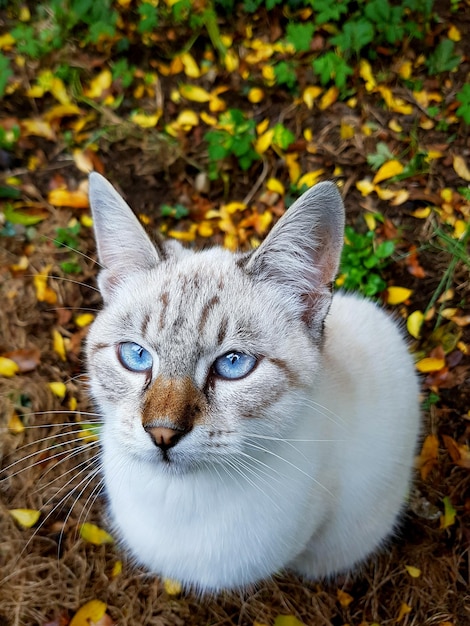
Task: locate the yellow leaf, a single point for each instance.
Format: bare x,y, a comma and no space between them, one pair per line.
387,170
268,74
427,458
344,598
400,197
404,610
58,344
397,295
255,95
117,569
404,69
287,620
7,41
414,572
329,98
77,199
454,34
25,517
262,126
310,178
194,93
264,141
145,120
59,91
395,126
204,229
365,72
414,323
233,207
15,425
422,213
394,104
94,534
43,292
82,161
172,587
181,235
449,313
89,613
187,118
231,60
8,367
460,228
448,518
275,185
370,220
84,319
365,186
86,220
310,94
293,166
461,167
38,128
99,84
346,130
430,364
190,66
58,389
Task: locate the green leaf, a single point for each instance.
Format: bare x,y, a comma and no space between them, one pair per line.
463,96
355,35
287,620
282,136
177,211
16,216
5,73
443,59
300,35
329,67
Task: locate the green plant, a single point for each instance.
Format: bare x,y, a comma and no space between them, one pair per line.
330,66
5,73
9,138
463,97
362,262
178,211
68,238
300,35
234,136
443,59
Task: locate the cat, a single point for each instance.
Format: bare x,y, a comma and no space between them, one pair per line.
253,421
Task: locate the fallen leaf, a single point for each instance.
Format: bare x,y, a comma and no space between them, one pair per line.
459,453
398,295
15,425
58,389
27,359
414,572
94,534
310,94
274,184
388,170
194,93
430,364
89,614
365,186
172,587
58,344
448,517
404,610
25,517
287,620
461,168
414,323
8,367
84,319
77,199
309,179
255,95
428,456
344,598
328,98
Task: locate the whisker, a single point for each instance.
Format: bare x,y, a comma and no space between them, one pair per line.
72,249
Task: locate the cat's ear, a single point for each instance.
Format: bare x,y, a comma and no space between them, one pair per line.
122,243
302,252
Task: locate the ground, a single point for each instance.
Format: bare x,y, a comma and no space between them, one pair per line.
50,566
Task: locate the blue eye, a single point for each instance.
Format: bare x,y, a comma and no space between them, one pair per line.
234,365
134,357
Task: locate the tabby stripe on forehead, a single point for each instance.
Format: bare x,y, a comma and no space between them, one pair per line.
291,376
100,346
145,323
165,299
222,332
205,312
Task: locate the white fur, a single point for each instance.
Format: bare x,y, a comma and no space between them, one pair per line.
316,481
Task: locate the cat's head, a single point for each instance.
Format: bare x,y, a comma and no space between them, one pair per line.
193,351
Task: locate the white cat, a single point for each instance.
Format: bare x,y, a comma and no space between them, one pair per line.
252,422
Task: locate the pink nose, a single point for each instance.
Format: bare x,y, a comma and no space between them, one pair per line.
163,437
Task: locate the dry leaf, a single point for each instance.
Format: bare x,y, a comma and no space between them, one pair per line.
414,572
387,170
275,185
58,344
27,359
344,598
461,167
77,199
428,456
264,141
44,293
194,93
8,367
459,453
430,364
414,323
448,517
328,98
94,534
398,295
58,389
25,517
287,620
15,425
172,587
404,610
310,94
84,319
89,614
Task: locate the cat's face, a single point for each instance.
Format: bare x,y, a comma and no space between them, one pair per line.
194,351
